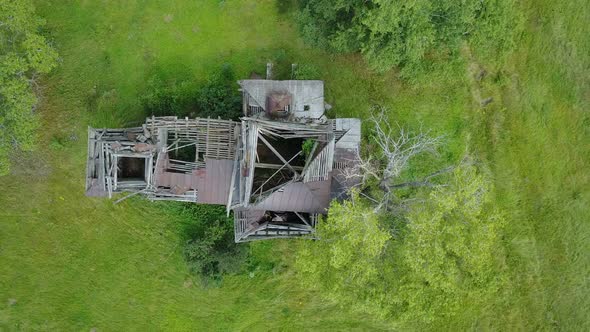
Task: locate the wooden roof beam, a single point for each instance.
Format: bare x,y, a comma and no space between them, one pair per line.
278,155
275,173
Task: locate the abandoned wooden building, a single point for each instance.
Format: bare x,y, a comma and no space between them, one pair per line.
277,169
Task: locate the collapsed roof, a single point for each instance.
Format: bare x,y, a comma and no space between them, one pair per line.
277,174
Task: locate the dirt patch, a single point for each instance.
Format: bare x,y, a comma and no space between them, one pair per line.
168,18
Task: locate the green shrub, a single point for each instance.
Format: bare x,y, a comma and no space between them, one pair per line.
208,240
499,27
24,53
408,34
57,143
218,97
208,237
168,97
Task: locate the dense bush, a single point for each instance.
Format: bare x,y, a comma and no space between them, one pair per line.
208,237
218,97
24,53
447,257
408,34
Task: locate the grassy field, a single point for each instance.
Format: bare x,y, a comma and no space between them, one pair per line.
538,144
68,262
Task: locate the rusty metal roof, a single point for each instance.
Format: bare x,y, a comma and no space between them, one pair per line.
212,182
312,197
215,184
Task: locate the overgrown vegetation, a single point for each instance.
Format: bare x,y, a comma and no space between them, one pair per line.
409,34
208,241
346,265
307,147
207,236
24,55
451,255
169,97
445,255
218,97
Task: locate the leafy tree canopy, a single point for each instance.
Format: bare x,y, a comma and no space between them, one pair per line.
452,251
449,253
346,263
407,33
24,53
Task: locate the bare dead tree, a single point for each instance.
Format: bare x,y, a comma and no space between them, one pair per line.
397,146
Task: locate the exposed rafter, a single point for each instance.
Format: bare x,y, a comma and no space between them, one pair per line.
286,163
274,188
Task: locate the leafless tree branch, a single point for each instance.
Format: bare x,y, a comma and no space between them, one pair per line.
397,146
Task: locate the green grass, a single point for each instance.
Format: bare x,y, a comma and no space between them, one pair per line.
73,263
538,145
